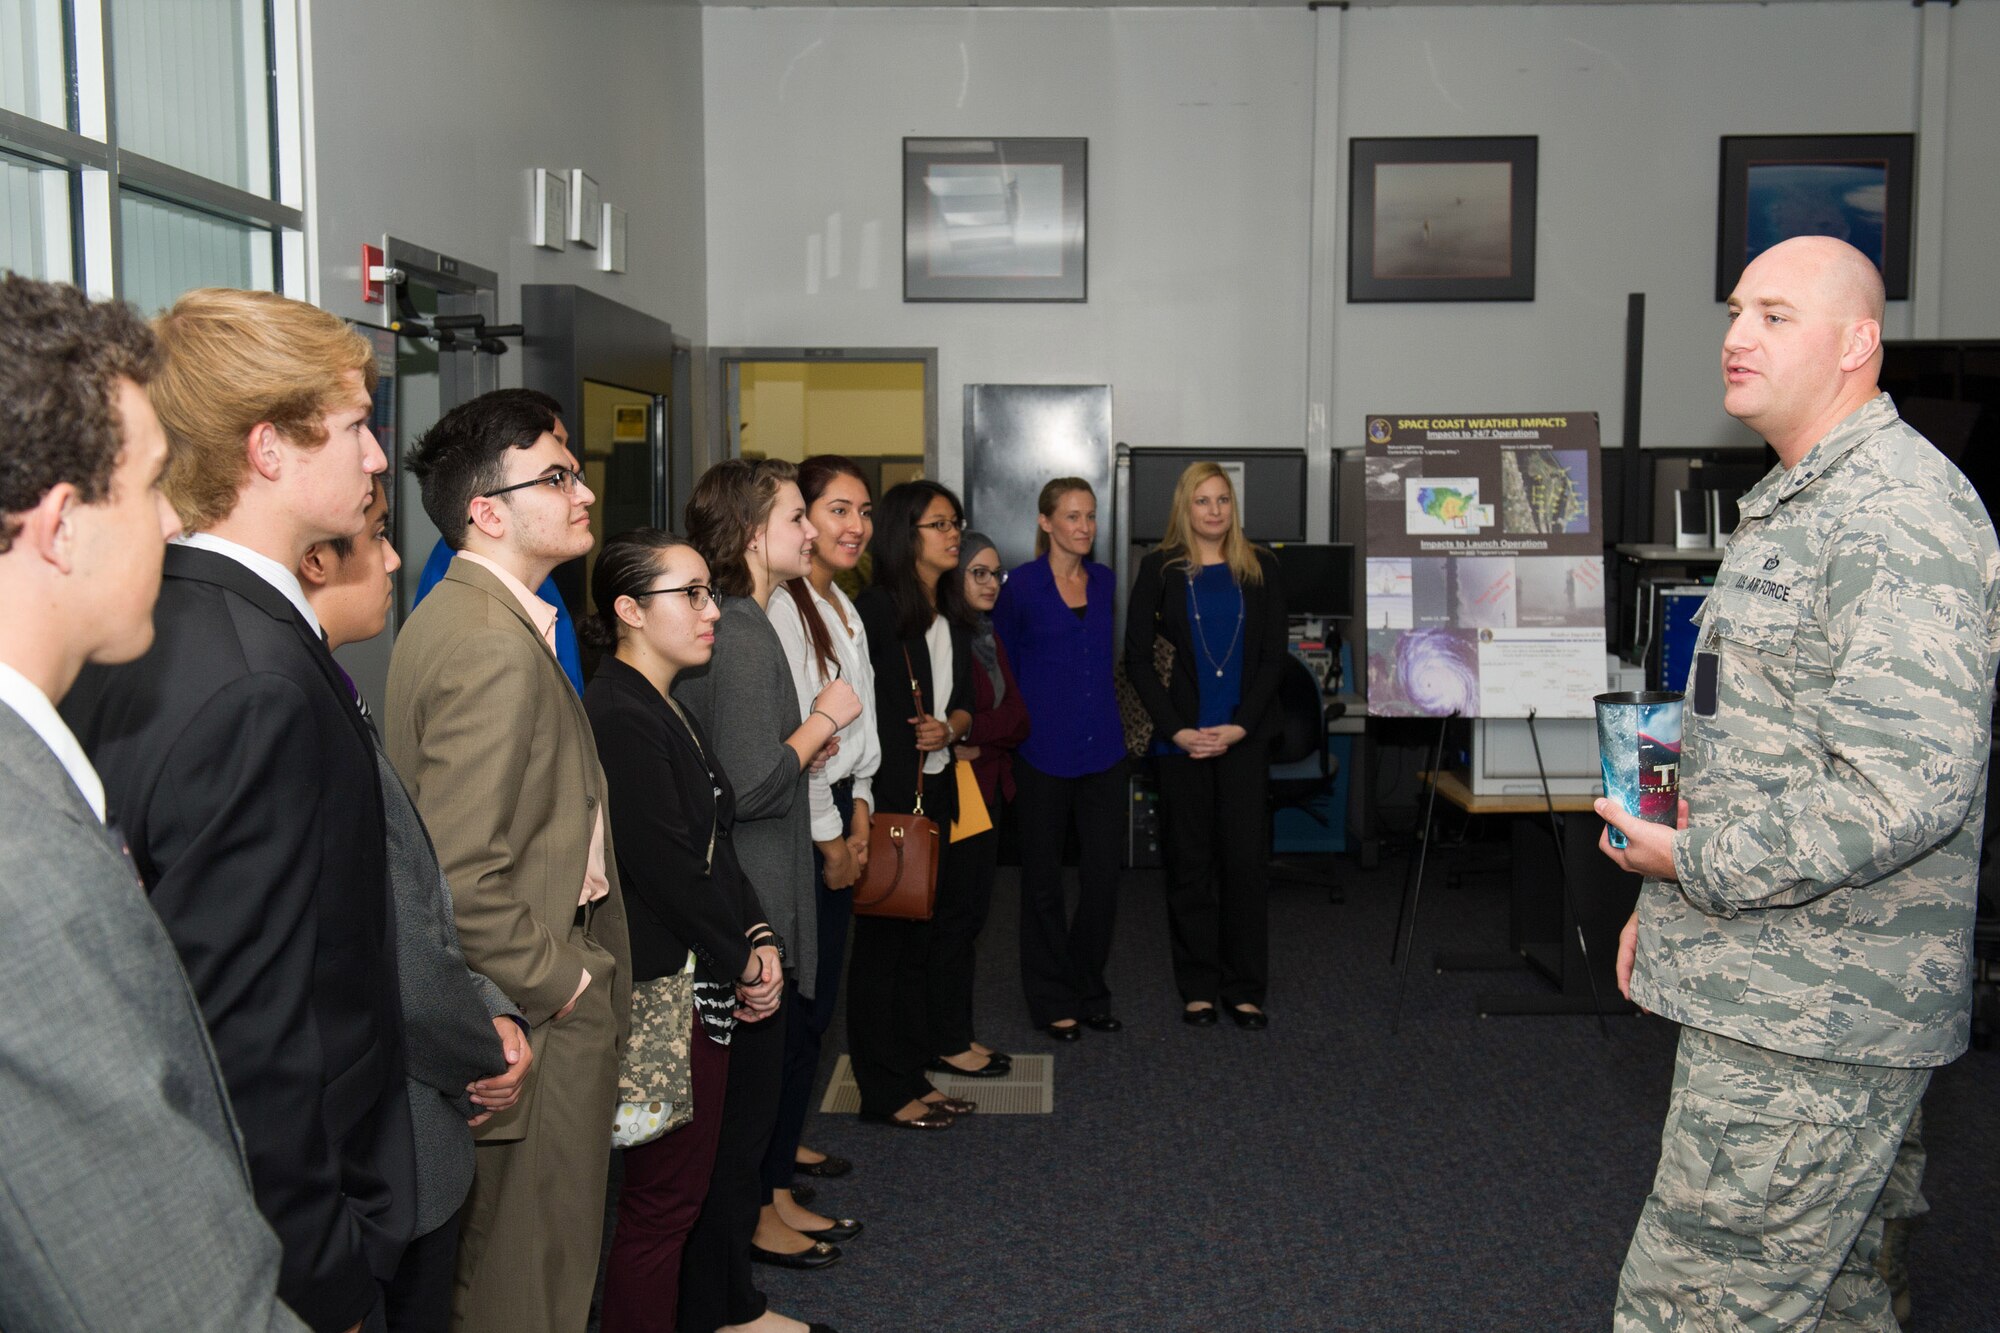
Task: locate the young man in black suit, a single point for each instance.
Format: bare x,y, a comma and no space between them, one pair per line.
245,779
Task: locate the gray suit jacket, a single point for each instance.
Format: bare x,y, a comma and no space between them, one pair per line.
124,1194
746,704
448,1010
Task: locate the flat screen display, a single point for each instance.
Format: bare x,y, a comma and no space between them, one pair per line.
1319,578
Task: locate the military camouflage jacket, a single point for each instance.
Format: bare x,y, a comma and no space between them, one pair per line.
1834,765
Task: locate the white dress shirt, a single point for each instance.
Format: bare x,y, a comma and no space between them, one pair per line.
26,698
860,743
938,640
263,566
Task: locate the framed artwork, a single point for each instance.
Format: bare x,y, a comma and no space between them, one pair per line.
1853,186
1441,219
994,219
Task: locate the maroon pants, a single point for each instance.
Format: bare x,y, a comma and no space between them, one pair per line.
665,1183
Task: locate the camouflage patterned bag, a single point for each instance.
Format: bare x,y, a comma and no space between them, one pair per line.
655,1081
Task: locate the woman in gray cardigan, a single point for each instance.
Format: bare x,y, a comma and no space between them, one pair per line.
749,522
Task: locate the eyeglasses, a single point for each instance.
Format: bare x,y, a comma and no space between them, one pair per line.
698,594
562,478
981,574
944,525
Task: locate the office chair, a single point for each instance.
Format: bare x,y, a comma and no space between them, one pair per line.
1302,769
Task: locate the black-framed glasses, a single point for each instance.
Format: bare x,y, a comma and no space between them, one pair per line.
981,574
698,594
944,525
561,478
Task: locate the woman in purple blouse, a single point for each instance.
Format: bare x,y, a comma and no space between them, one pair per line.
1055,616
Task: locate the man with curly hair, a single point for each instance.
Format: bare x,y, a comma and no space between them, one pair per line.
124,1192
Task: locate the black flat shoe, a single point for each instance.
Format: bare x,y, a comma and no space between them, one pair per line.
1200,1018
1253,1020
952,1105
1074,1032
802,1195
819,1256
991,1069
843,1228
935,1118
830,1169
821,1328
1103,1023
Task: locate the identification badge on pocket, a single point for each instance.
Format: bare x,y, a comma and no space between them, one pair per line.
1703,691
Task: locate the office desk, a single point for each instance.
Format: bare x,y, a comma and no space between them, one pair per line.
1546,908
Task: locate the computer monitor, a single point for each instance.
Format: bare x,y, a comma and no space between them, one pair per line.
1319,578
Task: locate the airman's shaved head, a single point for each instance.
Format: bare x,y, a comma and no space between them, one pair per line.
1804,346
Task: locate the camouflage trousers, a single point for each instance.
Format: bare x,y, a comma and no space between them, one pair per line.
1764,1212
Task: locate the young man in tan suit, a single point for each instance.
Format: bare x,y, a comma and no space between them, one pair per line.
493,743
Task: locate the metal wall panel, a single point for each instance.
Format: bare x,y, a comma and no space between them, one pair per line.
1018,437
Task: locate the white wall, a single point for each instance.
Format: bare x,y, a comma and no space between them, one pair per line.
1200,126
1629,102
1971,307
428,118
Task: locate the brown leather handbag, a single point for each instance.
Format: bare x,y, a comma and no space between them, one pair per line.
901,879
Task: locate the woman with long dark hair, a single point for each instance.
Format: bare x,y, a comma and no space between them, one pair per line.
915,618
824,642
1218,601
671,812
1055,615
749,522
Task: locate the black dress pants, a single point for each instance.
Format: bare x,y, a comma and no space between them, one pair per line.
888,997
965,892
716,1283
1216,838
806,1020
418,1298
1063,955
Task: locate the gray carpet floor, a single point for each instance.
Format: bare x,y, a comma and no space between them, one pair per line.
1465,1173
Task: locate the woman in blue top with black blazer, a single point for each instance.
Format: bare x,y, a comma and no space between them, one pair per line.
1056,618
1217,600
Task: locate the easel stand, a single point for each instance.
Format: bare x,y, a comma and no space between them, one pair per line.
1594,903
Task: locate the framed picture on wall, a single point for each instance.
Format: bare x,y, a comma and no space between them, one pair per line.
994,219
1441,219
1853,186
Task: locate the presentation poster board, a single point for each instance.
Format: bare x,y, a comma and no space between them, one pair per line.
1485,565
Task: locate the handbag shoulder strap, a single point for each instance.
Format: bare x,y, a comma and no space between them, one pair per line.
917,698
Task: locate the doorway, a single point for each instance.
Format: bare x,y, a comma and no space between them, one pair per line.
877,406
419,381
615,370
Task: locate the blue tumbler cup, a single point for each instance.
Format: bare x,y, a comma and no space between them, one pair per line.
1639,745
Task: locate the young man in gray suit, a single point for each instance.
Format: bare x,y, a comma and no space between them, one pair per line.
124,1194
459,1075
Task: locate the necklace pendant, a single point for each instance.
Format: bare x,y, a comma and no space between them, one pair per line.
1218,671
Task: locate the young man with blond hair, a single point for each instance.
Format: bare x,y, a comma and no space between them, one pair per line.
245,779
124,1195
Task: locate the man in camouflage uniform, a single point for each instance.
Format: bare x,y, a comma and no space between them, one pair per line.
1810,926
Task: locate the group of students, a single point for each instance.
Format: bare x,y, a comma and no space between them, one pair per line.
390,983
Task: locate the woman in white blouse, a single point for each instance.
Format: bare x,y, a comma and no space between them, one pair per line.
824,641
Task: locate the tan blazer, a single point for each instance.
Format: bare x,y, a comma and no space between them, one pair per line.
493,743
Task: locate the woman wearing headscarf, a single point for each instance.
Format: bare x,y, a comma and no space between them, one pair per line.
999,723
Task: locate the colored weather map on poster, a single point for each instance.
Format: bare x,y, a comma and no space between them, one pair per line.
1444,507
1544,490
1484,562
